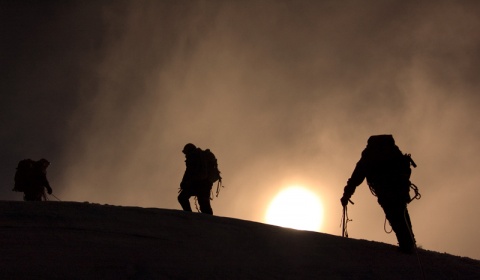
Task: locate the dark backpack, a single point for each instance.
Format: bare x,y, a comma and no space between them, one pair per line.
23,175
387,164
213,174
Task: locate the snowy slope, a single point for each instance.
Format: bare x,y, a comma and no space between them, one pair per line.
72,240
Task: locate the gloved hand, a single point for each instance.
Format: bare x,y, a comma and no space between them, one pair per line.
344,200
49,190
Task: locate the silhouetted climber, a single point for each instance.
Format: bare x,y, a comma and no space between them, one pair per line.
31,179
200,174
387,171
194,181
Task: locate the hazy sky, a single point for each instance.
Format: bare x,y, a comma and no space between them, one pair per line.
283,92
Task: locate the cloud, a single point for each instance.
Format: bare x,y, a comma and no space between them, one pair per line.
283,92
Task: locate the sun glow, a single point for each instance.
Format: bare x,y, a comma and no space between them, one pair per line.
296,207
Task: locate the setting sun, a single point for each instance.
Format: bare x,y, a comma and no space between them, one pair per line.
297,208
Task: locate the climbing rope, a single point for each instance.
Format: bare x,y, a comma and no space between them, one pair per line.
385,226
196,204
219,184
344,221
415,190
55,197
414,244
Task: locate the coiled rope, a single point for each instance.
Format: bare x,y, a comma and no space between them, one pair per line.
345,220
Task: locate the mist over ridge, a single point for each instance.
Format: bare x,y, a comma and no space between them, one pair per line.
284,92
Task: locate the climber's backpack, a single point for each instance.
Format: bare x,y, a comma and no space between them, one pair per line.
213,174
23,175
386,163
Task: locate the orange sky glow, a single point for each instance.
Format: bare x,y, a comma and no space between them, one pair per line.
285,93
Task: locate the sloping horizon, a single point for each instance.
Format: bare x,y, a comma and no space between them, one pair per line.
75,240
